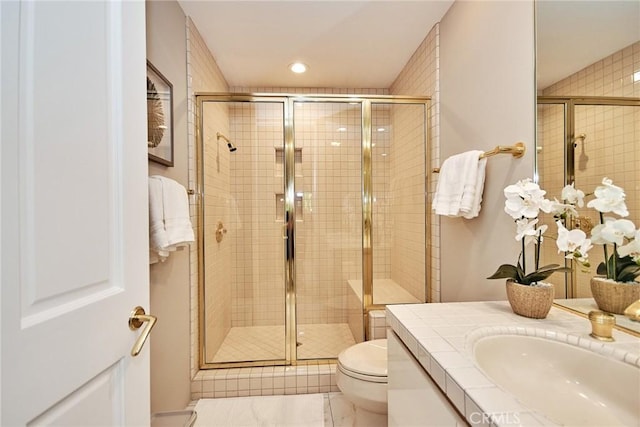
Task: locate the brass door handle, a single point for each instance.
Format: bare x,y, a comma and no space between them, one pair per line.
137,318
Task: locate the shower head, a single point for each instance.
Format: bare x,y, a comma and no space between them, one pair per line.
231,147
581,137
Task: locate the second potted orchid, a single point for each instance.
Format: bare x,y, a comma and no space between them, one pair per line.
615,287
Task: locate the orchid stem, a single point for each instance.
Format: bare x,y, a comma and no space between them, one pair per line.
606,252
538,251
524,258
613,262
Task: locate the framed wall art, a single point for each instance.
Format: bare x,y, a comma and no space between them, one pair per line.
159,117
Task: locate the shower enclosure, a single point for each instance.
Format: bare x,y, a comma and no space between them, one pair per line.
312,212
582,140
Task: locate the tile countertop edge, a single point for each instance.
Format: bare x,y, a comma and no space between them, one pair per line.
440,337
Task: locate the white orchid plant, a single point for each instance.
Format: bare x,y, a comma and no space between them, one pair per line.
524,201
624,263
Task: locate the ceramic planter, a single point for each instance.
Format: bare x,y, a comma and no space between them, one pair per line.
612,296
530,301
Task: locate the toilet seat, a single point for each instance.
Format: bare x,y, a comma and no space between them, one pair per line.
366,361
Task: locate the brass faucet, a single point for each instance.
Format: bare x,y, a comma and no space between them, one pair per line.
601,325
633,311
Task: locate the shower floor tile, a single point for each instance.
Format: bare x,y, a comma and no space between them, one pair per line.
323,341
255,343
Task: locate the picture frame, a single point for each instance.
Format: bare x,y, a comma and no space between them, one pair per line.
159,117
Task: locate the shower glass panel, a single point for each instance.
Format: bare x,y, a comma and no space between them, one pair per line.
398,153
588,139
550,155
328,239
243,263
610,148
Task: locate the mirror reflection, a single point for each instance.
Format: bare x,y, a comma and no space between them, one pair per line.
588,117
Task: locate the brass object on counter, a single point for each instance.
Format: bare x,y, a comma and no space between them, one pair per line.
601,325
633,311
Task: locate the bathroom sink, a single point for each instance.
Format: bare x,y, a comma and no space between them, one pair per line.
568,384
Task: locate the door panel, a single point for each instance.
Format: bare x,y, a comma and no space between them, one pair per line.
328,227
74,212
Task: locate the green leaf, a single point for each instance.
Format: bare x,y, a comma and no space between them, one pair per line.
543,273
602,269
505,271
629,273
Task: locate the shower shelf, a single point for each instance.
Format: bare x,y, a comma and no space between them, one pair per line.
280,207
279,161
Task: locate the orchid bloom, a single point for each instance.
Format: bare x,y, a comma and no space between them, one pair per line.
574,243
609,198
632,248
525,199
527,229
612,231
560,209
572,196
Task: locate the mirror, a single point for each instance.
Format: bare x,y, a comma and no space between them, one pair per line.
588,117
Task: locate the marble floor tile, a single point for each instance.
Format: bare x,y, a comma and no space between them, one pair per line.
303,410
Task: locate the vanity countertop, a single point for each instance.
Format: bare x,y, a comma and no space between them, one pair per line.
441,336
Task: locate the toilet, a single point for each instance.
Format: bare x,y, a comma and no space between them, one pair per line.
362,377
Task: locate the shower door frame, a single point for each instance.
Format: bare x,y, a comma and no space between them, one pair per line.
569,103
288,100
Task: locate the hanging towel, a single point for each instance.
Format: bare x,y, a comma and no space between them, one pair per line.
460,185
169,223
478,188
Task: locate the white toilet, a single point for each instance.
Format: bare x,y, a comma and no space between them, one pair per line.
362,377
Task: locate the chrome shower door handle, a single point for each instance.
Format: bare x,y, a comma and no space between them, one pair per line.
136,320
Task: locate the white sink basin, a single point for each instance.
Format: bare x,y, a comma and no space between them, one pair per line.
566,383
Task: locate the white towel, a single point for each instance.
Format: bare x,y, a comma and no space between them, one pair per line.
169,223
460,185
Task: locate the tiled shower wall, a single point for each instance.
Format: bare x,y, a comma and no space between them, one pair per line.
612,144
204,76
419,77
255,232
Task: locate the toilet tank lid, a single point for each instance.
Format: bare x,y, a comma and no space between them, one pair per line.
368,358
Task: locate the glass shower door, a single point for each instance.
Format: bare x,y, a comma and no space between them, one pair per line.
328,223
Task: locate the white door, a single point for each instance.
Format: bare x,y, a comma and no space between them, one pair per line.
74,212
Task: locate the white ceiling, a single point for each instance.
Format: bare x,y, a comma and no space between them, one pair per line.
365,44
346,44
574,34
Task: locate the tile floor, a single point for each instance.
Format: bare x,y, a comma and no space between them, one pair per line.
338,411
267,342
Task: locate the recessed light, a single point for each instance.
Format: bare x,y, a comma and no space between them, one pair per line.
342,129
298,67
384,154
335,144
636,76
381,129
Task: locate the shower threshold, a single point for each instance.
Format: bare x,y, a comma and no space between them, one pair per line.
256,343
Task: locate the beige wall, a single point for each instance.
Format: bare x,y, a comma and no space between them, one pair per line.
169,281
419,77
487,97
